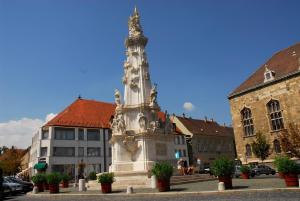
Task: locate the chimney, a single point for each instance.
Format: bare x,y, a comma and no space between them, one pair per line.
212,120
224,124
205,118
183,115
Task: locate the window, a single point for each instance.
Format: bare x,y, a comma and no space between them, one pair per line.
94,151
109,152
64,134
80,151
184,153
93,135
180,153
269,74
80,134
247,122
43,151
63,151
45,134
109,135
275,115
276,145
248,150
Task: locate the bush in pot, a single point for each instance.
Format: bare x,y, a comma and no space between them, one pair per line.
53,180
92,176
278,164
65,178
39,180
223,168
245,170
106,179
163,172
290,169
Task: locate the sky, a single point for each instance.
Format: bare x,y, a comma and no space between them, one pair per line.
198,51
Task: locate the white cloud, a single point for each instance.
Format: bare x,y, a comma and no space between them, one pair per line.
20,132
188,106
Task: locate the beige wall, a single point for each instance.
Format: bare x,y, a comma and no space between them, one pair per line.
286,92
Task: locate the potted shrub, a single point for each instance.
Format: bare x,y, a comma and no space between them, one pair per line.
290,169
277,162
163,172
39,180
65,178
53,180
106,179
223,168
245,170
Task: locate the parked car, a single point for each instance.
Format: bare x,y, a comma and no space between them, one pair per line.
6,190
26,186
13,187
263,169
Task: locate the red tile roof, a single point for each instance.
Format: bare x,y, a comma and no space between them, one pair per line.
203,127
283,63
85,113
88,114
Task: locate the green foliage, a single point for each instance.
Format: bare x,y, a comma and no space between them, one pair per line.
260,147
245,169
54,178
222,167
65,177
162,170
286,166
106,178
92,176
38,178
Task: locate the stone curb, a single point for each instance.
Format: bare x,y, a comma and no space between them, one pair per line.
167,193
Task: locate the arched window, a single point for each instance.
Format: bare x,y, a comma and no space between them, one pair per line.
247,122
248,150
276,145
276,118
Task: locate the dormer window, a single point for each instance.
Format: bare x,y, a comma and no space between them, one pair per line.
269,75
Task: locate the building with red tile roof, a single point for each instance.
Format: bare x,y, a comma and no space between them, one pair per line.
267,102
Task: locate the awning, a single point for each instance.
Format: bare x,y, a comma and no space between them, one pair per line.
40,166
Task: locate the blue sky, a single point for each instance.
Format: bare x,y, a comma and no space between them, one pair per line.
198,51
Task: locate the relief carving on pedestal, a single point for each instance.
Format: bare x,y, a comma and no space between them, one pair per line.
142,122
131,145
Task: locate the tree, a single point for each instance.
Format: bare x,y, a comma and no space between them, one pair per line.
260,147
11,160
290,140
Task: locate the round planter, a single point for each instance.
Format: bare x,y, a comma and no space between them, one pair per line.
227,181
163,185
245,176
40,187
65,184
291,180
46,186
281,175
53,188
106,188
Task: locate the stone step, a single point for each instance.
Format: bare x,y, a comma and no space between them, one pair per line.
175,180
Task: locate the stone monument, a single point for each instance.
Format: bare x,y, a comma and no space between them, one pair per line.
139,137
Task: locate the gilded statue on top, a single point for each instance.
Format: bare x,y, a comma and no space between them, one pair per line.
135,28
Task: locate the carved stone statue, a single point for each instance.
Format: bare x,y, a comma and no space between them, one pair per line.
135,29
117,98
142,121
168,123
153,96
118,124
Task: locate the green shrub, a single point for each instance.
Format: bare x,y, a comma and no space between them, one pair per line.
162,170
245,169
286,166
92,176
54,178
38,178
106,178
65,177
222,167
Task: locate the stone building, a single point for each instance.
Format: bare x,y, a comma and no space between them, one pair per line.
267,102
206,139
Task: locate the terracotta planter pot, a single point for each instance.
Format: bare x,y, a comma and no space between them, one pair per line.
281,175
291,180
227,181
163,185
65,184
245,175
46,186
106,188
40,187
53,188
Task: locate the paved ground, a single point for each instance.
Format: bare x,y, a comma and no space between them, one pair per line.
237,196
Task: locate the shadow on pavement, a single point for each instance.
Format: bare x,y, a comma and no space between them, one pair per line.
240,187
178,189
